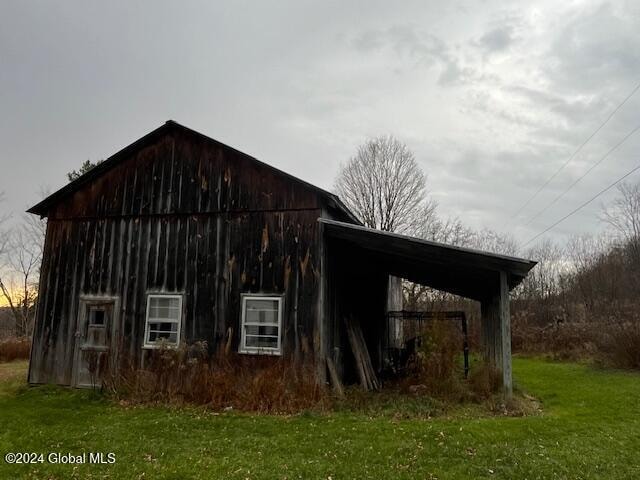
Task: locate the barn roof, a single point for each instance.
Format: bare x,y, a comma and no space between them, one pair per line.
43,207
463,271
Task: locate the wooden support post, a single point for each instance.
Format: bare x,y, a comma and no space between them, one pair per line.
320,339
394,303
505,334
496,332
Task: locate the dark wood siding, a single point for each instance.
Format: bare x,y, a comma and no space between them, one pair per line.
181,215
183,174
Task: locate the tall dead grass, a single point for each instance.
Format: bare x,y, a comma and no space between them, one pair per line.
226,381
14,348
280,385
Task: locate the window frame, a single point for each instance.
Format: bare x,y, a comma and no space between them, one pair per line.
96,307
167,344
247,350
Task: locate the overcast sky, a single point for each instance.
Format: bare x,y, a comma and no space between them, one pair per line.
491,98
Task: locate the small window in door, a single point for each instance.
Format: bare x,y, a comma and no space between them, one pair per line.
97,325
96,316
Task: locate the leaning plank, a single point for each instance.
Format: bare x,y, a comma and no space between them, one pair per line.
367,374
335,379
371,373
355,349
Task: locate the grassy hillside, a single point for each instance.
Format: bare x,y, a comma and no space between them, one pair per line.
590,429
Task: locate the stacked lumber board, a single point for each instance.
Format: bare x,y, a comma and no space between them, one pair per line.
366,373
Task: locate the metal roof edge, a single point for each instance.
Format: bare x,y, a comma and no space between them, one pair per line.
524,261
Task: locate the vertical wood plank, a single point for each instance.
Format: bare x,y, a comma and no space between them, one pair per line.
496,331
505,334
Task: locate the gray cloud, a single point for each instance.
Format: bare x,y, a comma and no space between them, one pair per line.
498,39
594,49
421,49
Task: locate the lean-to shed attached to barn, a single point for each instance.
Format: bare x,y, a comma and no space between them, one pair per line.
180,238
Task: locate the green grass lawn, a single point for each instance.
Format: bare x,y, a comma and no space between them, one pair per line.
590,428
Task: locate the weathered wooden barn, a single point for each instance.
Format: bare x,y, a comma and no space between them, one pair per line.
180,238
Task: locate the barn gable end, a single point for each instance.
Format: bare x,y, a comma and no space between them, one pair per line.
177,170
177,213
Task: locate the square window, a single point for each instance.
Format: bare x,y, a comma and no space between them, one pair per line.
261,324
97,317
163,322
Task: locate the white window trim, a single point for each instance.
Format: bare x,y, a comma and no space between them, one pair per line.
260,350
147,344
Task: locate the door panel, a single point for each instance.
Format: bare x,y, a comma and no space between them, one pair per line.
96,327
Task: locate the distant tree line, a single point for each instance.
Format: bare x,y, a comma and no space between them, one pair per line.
592,276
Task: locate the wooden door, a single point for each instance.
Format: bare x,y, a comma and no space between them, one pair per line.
93,352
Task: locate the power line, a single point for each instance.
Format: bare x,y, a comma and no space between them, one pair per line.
613,149
528,201
583,205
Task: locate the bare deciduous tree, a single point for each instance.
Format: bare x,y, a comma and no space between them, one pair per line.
25,259
4,247
591,272
544,281
20,256
450,231
623,214
495,242
4,236
584,250
385,187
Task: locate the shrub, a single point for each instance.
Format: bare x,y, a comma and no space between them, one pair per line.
438,371
15,348
619,344
562,341
438,366
611,341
